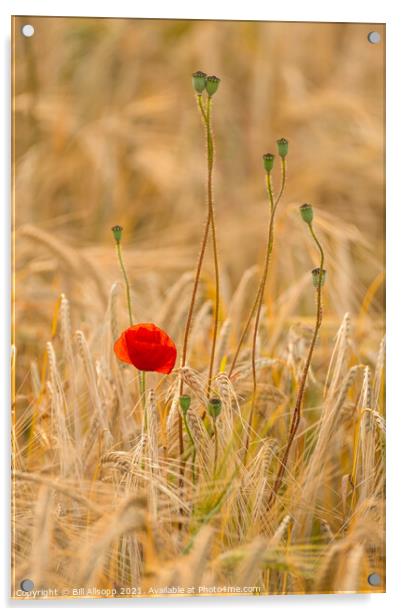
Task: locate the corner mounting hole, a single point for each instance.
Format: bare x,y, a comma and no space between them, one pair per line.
374,579
27,585
28,30
374,37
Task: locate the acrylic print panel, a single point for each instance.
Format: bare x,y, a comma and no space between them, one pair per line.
198,351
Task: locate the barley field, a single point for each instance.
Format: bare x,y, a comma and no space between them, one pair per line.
254,465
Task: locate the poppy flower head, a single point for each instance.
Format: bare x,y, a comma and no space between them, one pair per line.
147,347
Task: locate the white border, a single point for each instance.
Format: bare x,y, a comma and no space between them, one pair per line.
342,10
368,11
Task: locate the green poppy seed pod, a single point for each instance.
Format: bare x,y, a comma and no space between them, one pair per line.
306,212
214,407
184,402
199,81
268,162
212,84
316,276
283,147
117,233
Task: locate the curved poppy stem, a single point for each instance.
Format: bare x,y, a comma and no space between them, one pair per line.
273,205
126,281
216,446
257,298
141,374
197,274
257,306
258,313
190,436
210,149
302,384
210,222
192,305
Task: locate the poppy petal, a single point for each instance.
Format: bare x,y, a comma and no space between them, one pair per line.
147,347
159,356
120,348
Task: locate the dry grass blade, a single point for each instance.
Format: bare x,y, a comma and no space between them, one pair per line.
130,517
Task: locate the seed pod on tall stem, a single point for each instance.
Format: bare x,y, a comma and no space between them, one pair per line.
211,87
268,160
318,279
117,231
208,85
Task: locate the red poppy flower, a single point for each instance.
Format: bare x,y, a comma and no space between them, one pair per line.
146,347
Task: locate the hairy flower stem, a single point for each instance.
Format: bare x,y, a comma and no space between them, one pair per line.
210,222
193,298
141,374
210,150
258,312
127,284
142,386
257,298
190,436
216,446
206,116
302,384
258,302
